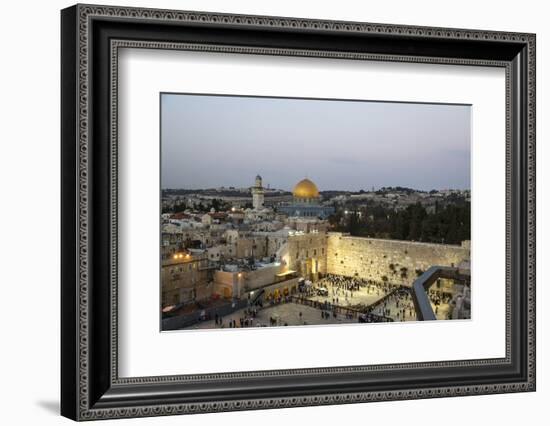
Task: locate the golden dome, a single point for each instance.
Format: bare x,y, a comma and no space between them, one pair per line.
305,189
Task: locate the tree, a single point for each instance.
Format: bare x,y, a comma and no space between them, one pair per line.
448,224
354,227
417,214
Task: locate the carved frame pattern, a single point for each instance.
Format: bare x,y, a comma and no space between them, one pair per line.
85,13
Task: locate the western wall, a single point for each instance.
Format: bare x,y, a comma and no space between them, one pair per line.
399,261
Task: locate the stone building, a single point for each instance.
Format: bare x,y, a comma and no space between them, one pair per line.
185,278
306,254
241,245
307,224
272,279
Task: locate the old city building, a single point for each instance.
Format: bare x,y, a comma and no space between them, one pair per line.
185,277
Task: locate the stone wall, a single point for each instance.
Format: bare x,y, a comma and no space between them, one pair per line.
184,280
399,261
261,277
225,284
283,288
306,254
234,284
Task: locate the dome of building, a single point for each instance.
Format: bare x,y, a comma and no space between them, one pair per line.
305,189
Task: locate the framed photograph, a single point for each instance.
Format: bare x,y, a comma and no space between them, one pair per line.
263,212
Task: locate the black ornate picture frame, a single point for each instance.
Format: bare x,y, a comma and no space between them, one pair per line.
90,385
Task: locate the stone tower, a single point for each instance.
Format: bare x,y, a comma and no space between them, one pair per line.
258,194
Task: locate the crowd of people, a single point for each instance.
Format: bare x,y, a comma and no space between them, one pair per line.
245,320
337,295
394,304
341,290
398,305
440,297
342,284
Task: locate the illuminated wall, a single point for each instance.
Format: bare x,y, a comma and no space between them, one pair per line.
399,261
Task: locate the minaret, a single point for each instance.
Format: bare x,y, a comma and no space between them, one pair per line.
258,194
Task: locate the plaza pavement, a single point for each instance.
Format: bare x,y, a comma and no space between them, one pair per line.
366,295
288,313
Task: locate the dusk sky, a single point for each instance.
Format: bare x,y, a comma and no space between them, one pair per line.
213,141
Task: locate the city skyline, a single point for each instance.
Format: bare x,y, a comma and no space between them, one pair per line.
271,187
213,141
